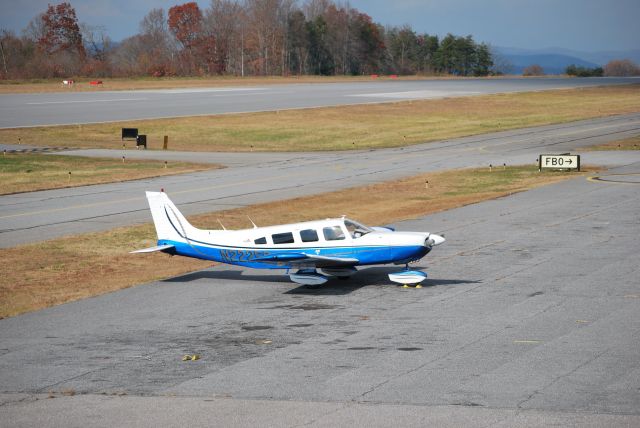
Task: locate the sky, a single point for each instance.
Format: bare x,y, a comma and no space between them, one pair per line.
581,25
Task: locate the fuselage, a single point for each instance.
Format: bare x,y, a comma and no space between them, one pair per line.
337,238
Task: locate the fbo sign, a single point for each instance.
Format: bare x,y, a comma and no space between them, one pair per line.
559,162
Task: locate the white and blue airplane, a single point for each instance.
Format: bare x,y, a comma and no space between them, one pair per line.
335,246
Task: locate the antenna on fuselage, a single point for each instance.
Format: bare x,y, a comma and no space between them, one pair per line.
254,225
224,228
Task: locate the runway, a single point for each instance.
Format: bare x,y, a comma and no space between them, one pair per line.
261,177
529,318
63,108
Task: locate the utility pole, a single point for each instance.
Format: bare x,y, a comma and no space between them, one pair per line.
242,51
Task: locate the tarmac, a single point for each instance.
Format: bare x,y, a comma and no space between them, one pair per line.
68,107
529,318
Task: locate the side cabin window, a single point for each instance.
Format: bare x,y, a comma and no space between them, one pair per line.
308,235
333,233
260,241
282,238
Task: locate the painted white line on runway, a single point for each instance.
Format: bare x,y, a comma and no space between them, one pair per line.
88,101
196,90
418,94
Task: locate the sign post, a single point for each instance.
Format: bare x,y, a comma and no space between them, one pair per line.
563,161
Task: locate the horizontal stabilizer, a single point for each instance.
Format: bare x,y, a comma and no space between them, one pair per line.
154,249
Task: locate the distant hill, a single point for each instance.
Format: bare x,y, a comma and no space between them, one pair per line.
550,63
555,60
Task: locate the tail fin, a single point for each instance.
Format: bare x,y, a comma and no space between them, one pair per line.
170,223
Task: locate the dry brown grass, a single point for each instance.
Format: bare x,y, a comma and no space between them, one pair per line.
350,127
632,143
29,172
128,84
61,270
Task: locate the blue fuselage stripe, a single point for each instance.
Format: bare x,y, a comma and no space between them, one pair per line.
367,255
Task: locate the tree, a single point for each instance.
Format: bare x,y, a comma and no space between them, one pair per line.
624,67
320,59
574,70
298,42
160,53
369,47
97,45
185,22
501,65
403,47
267,37
223,22
484,61
427,48
461,56
338,37
533,70
61,31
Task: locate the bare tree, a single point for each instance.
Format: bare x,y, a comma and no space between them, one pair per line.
501,65
96,40
35,29
267,22
162,44
621,67
315,8
223,21
533,70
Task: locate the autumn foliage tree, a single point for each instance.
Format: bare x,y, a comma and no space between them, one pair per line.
61,30
186,23
240,37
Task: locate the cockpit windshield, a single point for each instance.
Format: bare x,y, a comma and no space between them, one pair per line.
356,229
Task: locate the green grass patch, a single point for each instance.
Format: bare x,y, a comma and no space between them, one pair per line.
30,172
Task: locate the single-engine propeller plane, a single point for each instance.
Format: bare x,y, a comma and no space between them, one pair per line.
335,246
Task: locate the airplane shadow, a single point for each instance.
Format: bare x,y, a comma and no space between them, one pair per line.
373,276
231,275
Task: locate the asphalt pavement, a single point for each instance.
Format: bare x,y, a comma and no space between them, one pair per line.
64,108
262,177
528,318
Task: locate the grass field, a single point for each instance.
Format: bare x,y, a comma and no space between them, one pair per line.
66,269
632,143
350,127
29,172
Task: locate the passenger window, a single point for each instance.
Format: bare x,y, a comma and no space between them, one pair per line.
283,238
309,235
333,233
260,241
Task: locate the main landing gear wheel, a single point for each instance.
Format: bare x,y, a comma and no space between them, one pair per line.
308,277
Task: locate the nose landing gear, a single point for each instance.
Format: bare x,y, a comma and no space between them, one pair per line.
408,277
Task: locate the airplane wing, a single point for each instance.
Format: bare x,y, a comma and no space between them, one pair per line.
165,248
308,260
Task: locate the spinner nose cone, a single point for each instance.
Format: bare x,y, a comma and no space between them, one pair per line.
434,240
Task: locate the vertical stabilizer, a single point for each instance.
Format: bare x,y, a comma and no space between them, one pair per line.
170,223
